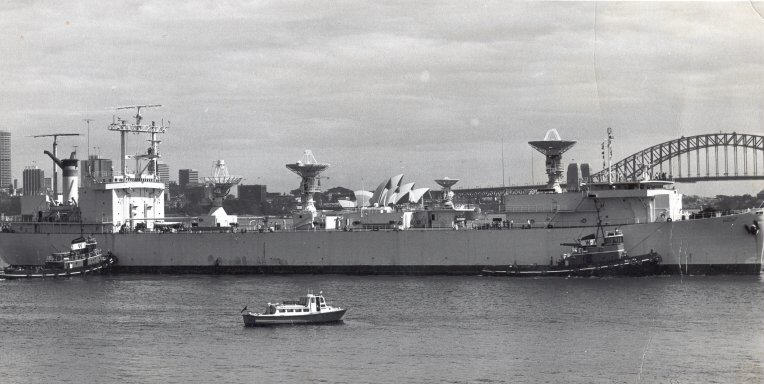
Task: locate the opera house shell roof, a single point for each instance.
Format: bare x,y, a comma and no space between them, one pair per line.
391,192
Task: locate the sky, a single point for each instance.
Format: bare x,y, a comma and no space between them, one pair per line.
377,88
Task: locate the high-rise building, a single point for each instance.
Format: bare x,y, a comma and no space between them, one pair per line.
33,181
188,177
163,170
48,184
253,193
101,169
5,160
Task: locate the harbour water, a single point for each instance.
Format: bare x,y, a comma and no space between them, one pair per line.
149,328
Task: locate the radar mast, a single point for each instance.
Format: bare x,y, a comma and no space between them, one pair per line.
123,127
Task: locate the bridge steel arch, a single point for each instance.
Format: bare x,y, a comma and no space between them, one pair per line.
655,157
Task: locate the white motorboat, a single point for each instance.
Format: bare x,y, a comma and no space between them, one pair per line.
309,309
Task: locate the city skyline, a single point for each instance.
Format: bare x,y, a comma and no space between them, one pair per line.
428,90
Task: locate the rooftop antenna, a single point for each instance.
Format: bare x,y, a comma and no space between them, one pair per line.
87,121
604,159
55,154
609,155
90,164
123,127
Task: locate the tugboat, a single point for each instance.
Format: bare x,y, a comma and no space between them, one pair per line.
309,309
84,257
588,258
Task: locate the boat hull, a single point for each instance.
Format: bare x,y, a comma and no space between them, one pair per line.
720,245
30,272
254,320
643,265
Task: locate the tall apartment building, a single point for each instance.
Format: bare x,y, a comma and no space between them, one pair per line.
163,170
101,169
5,160
33,181
254,193
188,177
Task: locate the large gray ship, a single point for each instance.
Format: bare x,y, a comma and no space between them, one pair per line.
391,232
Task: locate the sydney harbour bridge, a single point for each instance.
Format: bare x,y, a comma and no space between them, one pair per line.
710,157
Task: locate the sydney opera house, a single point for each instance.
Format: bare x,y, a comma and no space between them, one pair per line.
391,192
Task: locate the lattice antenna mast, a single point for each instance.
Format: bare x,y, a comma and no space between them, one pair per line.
153,129
609,155
90,163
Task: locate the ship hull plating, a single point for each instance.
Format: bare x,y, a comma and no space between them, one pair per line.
707,246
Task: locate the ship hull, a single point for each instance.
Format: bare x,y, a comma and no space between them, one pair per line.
720,245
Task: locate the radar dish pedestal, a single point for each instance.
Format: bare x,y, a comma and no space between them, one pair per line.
448,195
553,148
220,184
309,170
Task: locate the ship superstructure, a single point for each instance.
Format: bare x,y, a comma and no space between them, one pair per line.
583,203
132,199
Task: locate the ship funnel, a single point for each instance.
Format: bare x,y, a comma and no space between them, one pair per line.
553,148
70,178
